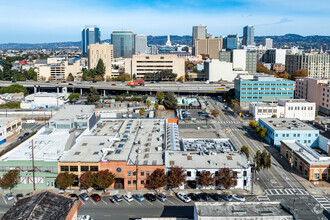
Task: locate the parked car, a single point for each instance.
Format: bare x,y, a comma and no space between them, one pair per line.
138,197
19,195
118,198
183,196
150,197
161,197
96,197
20,138
226,197
194,197
70,84
74,196
216,196
238,198
84,196
9,196
113,84
26,134
128,197
205,196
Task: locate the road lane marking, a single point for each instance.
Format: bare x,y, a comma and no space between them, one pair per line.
4,200
107,215
275,177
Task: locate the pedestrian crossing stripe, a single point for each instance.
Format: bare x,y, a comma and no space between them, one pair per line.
275,192
263,198
323,201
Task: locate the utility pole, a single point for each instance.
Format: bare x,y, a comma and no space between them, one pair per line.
137,167
33,168
253,173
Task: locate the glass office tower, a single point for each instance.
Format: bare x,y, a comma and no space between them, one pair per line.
123,44
89,35
248,35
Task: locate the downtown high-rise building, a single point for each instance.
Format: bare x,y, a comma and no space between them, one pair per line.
198,32
267,43
231,42
140,44
123,44
91,34
248,35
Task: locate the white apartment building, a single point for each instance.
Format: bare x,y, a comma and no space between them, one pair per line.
141,65
100,51
285,108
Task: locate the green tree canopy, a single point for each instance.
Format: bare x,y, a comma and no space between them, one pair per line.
170,102
13,89
100,68
93,96
142,111
9,179
64,180
300,73
103,179
70,77
245,150
160,96
73,97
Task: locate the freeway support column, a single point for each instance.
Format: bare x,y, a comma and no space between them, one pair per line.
104,93
81,91
35,89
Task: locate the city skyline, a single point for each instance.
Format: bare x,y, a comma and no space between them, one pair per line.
37,22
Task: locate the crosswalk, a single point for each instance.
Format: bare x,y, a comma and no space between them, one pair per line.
229,122
236,129
281,192
324,202
263,199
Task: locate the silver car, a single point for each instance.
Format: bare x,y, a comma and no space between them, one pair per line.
84,196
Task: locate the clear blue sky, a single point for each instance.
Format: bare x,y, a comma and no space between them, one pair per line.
61,20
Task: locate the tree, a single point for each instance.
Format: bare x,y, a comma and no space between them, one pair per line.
205,179
73,97
100,68
98,78
300,73
70,77
134,76
236,108
64,180
13,89
262,69
253,124
262,160
170,102
162,75
274,116
262,132
157,179
148,103
103,179
156,106
245,150
32,75
86,180
229,95
186,76
215,113
93,96
181,79
160,96
175,177
142,111
9,179
226,178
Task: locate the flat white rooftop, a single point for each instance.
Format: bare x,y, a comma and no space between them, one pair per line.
70,112
48,145
286,124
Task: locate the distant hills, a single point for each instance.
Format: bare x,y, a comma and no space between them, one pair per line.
287,40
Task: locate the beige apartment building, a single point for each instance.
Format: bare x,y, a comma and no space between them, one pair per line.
315,90
141,65
318,65
100,51
57,70
208,46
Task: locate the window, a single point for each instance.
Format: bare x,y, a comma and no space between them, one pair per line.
244,173
305,172
287,135
305,141
283,135
134,173
147,173
276,135
294,135
94,168
298,135
129,182
129,173
84,168
142,182
74,168
188,173
316,176
64,168
315,135
142,173
134,182
198,173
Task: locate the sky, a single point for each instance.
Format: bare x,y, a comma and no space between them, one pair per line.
39,21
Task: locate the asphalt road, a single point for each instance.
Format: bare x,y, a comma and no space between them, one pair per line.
277,182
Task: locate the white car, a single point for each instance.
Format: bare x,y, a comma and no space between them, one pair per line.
128,197
183,196
238,198
9,196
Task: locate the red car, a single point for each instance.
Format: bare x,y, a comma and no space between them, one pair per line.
96,197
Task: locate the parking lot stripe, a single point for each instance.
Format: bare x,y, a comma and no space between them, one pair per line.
150,202
104,202
92,201
82,202
159,201
138,202
4,200
170,201
126,202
